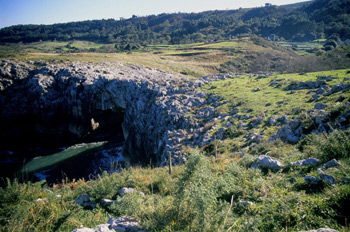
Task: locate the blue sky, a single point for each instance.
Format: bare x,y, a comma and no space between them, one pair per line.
13,12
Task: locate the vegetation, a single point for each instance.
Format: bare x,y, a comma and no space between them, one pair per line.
206,193
210,192
247,54
202,195
304,22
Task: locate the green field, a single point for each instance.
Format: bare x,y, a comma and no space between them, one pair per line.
248,54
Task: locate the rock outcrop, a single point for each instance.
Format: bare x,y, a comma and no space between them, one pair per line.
124,223
266,162
74,100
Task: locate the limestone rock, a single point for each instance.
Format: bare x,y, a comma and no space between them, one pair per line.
320,106
326,178
85,201
245,203
306,162
331,164
124,223
108,202
123,191
267,162
120,224
255,138
320,230
321,177
84,229
338,88
290,133
310,180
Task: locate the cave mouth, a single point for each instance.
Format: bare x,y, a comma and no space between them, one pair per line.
28,137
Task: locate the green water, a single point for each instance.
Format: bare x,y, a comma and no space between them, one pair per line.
50,160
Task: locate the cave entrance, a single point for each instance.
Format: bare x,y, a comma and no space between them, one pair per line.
50,150
105,125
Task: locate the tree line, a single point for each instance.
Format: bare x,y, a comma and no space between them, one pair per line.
303,22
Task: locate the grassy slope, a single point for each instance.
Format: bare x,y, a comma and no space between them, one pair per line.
271,100
204,194
197,60
197,196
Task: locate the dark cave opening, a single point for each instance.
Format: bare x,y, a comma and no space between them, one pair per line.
26,137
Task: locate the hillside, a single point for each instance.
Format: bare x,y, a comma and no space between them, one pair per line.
235,120
267,152
320,19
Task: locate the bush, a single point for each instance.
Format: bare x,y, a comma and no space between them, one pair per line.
336,145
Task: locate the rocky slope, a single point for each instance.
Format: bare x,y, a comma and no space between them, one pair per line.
72,101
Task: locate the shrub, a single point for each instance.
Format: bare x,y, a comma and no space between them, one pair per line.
336,145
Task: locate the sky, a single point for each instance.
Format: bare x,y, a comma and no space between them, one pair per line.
14,12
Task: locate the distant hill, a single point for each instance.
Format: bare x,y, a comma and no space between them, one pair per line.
298,4
297,22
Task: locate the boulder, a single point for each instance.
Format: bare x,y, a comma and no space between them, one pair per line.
267,162
84,229
124,223
120,224
123,191
108,202
338,88
290,133
320,106
271,121
340,98
321,177
331,164
320,230
326,178
85,201
255,138
306,162
245,203
283,119
310,180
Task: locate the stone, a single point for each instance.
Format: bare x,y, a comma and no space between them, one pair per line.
124,223
306,162
283,119
326,78
310,180
120,224
320,230
245,203
108,202
104,228
271,121
338,88
84,229
267,162
151,103
255,138
340,98
123,191
290,133
326,178
306,85
331,164
320,106
316,97
84,200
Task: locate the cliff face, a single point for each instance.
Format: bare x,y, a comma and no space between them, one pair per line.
73,100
